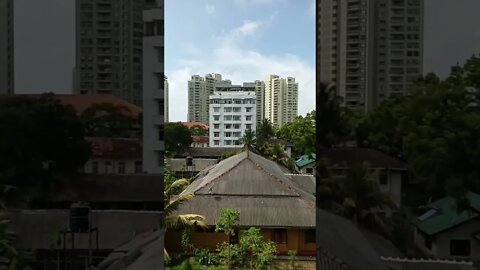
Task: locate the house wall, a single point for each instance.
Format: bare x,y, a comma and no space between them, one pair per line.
113,168
303,170
462,232
295,241
394,186
178,164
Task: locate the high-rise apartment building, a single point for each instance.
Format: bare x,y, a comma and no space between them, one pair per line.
7,78
281,99
199,90
231,114
109,48
167,118
154,83
371,49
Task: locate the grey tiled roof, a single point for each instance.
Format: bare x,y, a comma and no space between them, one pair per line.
426,264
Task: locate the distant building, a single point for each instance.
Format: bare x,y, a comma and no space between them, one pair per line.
371,50
109,48
7,78
114,156
199,141
153,89
444,233
231,114
306,164
281,99
199,90
166,97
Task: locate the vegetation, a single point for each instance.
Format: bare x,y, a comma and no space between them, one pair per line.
178,138
197,130
228,219
108,120
301,133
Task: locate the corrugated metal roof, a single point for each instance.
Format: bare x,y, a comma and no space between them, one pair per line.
257,187
305,160
426,264
348,156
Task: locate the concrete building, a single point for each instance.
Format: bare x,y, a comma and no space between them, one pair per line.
371,50
231,114
153,90
165,113
281,99
109,47
7,77
199,90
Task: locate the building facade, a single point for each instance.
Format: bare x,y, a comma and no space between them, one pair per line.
153,90
199,90
370,50
231,114
109,47
165,113
281,99
7,78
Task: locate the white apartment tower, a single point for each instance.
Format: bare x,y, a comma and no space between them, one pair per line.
231,114
371,49
153,90
199,90
6,47
281,99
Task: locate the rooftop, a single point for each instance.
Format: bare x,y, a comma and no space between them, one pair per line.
193,124
305,160
115,148
346,157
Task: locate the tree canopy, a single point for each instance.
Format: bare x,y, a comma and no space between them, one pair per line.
177,138
301,133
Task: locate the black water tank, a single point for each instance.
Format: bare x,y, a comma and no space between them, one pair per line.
189,161
80,217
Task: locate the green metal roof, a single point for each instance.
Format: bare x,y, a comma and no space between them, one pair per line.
305,160
442,215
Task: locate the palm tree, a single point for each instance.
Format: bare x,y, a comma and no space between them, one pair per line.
249,140
357,196
173,202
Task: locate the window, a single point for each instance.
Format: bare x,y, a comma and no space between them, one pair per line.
138,167
216,126
216,134
121,167
249,126
227,117
161,137
248,109
228,126
236,134
216,142
107,166
216,117
310,236
237,109
236,126
236,142
460,247
279,236
236,117
248,117
228,134
428,242
309,170
383,179
95,167
227,109
228,142
216,109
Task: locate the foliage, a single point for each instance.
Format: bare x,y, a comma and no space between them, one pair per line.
186,240
205,257
248,140
331,116
198,130
355,195
177,138
40,140
228,219
292,259
261,253
108,120
436,129
301,133
227,155
264,133
10,257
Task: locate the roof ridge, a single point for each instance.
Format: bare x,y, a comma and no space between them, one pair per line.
425,260
220,175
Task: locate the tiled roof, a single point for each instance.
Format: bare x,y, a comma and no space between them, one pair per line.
426,264
81,102
193,124
116,148
442,215
200,139
207,152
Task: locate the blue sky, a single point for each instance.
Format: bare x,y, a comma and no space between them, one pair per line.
244,40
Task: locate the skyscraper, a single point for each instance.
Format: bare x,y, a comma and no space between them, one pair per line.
7,79
109,48
199,90
281,99
166,100
154,83
371,49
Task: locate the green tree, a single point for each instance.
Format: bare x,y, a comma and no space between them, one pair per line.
261,253
301,133
248,140
178,138
226,223
264,133
108,120
41,140
198,130
10,257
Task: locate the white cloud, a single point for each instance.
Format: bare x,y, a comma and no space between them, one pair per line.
240,65
210,9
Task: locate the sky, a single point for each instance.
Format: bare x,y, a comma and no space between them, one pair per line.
244,40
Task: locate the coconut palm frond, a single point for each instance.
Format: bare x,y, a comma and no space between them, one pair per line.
179,184
186,220
175,204
166,256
